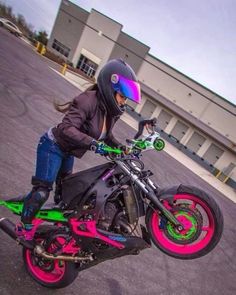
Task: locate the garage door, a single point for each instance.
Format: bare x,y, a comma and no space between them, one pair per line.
163,119
213,154
148,109
179,130
195,142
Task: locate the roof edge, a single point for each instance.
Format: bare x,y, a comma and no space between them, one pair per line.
223,98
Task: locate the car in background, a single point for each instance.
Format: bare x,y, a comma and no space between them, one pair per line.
10,27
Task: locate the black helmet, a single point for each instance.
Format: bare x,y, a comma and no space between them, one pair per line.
117,76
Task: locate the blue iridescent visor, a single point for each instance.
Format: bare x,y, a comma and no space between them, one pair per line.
128,88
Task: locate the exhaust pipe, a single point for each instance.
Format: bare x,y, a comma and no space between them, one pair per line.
41,252
9,228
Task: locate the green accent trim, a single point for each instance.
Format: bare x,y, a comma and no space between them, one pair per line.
112,150
15,207
51,214
141,144
191,231
54,215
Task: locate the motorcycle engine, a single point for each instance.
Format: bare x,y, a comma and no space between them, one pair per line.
110,212
115,218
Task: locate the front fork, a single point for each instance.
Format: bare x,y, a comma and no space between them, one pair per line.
149,189
152,197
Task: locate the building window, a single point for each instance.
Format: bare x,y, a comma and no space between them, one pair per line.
87,66
58,46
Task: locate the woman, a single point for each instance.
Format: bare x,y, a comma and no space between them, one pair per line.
89,120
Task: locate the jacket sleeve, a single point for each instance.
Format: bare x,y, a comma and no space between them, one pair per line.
111,140
81,110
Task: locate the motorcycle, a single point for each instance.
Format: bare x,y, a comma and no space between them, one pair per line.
113,210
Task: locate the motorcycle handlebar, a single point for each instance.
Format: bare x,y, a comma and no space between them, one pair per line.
103,149
133,149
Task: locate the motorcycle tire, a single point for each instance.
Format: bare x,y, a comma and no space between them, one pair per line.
201,217
52,274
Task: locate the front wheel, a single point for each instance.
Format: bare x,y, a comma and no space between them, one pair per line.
202,221
159,144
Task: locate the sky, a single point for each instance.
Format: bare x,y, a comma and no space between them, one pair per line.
195,37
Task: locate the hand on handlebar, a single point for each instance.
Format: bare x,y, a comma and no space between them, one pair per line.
125,149
103,149
98,147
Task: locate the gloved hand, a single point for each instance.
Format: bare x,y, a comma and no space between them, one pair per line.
98,147
125,149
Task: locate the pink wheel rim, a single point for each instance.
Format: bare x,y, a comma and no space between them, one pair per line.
48,277
198,245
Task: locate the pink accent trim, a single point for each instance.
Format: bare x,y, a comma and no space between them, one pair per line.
167,205
160,236
28,234
71,247
91,231
108,174
193,206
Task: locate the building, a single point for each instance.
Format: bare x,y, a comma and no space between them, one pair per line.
193,118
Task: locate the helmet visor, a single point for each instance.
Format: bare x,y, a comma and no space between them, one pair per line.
128,88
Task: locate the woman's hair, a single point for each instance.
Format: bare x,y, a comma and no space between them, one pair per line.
63,108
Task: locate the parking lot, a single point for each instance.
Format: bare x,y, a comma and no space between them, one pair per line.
28,88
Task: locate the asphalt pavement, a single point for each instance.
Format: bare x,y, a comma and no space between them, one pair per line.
28,88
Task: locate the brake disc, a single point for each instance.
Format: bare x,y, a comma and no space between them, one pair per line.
192,221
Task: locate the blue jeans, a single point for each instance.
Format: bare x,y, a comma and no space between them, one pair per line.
52,162
52,165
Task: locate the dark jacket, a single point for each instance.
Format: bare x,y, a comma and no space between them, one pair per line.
83,123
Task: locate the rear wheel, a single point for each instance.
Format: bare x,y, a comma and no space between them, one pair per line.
49,273
202,221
